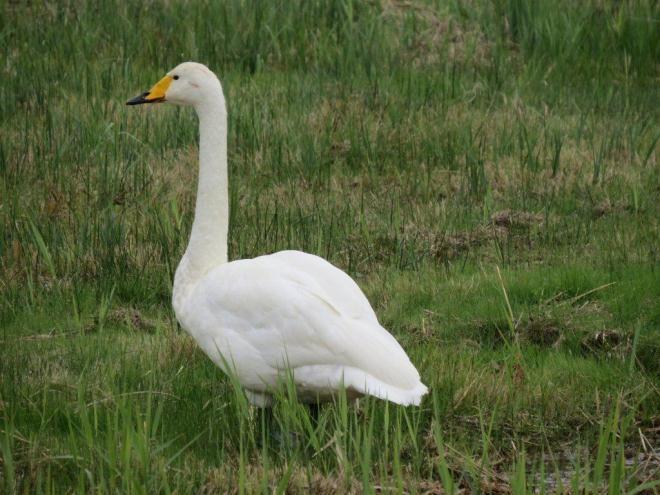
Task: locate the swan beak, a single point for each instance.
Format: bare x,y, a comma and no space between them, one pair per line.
154,95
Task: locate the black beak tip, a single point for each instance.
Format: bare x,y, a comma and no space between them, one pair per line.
138,100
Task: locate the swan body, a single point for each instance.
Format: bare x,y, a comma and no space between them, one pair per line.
285,313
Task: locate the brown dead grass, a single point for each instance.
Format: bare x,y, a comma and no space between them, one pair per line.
440,36
225,480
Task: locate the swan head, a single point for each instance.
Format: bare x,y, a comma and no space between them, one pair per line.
189,83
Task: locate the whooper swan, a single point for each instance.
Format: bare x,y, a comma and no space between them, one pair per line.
285,313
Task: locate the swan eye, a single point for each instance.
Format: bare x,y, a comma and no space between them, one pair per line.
175,78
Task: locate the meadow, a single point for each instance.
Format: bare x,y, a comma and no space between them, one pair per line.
486,171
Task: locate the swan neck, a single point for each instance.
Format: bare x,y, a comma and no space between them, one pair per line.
207,246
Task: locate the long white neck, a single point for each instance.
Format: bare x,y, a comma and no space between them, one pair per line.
207,246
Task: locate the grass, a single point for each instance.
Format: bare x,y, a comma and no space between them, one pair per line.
486,171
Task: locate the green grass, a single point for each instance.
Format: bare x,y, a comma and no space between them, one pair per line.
486,171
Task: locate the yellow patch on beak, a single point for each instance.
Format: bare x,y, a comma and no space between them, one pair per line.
157,93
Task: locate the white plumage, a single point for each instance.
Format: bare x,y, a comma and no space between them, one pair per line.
285,312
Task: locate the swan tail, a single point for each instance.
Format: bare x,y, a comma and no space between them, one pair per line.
367,384
316,380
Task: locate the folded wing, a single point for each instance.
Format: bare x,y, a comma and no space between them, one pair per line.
292,310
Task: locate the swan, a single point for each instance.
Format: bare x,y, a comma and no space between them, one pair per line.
284,314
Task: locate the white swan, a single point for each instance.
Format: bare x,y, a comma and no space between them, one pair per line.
287,311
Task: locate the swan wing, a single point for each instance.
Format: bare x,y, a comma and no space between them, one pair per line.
325,279
292,310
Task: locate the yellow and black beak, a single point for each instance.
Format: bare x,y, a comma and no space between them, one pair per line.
155,94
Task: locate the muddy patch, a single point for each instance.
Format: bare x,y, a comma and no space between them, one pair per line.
608,342
133,319
502,225
510,220
543,332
